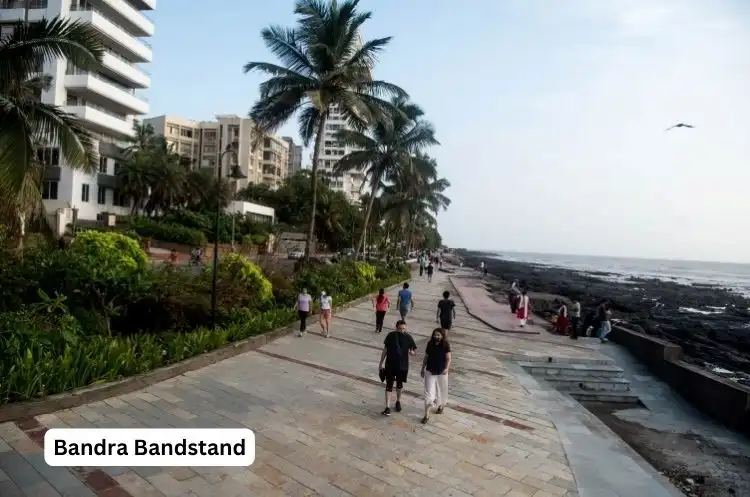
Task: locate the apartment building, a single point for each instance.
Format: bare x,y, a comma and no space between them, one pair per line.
330,152
106,98
262,157
183,136
295,155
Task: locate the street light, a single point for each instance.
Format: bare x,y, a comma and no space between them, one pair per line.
235,173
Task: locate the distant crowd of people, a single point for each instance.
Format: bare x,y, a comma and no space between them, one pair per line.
568,321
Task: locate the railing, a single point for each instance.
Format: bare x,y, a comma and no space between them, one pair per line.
21,4
126,61
90,8
85,103
74,71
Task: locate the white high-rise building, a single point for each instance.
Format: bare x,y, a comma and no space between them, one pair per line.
331,151
106,99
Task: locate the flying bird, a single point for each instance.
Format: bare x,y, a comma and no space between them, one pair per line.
680,125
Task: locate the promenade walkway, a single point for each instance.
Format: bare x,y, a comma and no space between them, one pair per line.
314,406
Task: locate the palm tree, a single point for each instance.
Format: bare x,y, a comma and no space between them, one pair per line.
387,146
25,121
414,195
322,64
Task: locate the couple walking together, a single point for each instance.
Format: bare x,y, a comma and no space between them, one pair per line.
394,368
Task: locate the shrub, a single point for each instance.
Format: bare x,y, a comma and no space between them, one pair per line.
168,232
110,249
365,272
240,269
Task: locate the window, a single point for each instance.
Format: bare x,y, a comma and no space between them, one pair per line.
101,196
49,190
209,149
103,165
186,132
209,135
85,192
48,156
117,167
120,200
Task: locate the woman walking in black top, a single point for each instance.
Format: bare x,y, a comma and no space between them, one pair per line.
435,367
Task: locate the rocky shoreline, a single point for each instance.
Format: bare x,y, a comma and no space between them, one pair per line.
711,324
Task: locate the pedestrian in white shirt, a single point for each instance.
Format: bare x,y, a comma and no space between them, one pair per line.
326,312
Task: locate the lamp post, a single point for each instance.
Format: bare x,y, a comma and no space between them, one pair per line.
234,173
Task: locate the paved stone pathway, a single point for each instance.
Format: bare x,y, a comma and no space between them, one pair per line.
314,406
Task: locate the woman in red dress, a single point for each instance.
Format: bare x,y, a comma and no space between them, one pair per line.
523,309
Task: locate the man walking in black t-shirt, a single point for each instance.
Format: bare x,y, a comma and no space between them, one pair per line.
446,311
394,363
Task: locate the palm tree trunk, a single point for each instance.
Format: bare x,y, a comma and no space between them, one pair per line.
370,203
314,187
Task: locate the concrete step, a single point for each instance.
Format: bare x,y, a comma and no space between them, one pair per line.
562,360
568,384
572,370
608,397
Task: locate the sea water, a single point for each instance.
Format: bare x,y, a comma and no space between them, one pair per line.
735,277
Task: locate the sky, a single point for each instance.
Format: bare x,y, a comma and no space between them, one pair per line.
550,113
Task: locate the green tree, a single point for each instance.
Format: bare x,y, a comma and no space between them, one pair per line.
414,196
26,123
322,64
385,147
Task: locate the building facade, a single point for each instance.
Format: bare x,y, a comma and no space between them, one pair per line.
295,155
262,157
106,99
330,152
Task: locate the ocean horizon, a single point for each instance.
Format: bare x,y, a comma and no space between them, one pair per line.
731,275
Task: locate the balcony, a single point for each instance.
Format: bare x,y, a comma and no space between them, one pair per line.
143,4
95,88
124,14
14,10
118,68
107,181
115,35
101,121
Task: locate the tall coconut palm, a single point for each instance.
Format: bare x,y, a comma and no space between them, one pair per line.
415,194
322,64
25,121
386,146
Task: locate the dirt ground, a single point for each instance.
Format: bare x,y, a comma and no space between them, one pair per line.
697,466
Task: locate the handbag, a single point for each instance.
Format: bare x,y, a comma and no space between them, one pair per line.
382,375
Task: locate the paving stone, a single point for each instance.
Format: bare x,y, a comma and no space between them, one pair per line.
314,406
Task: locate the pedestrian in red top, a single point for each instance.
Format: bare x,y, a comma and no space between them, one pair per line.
381,305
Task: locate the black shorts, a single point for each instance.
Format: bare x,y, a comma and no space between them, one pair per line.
397,377
446,324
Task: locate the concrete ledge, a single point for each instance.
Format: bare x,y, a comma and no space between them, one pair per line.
481,319
93,393
724,400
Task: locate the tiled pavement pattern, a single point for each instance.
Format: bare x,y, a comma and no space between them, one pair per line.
314,406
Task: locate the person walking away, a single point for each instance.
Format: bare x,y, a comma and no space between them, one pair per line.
303,306
575,318
326,312
421,264
484,270
435,367
562,322
405,301
394,364
514,295
381,305
606,327
523,309
430,269
446,311
599,317
481,267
